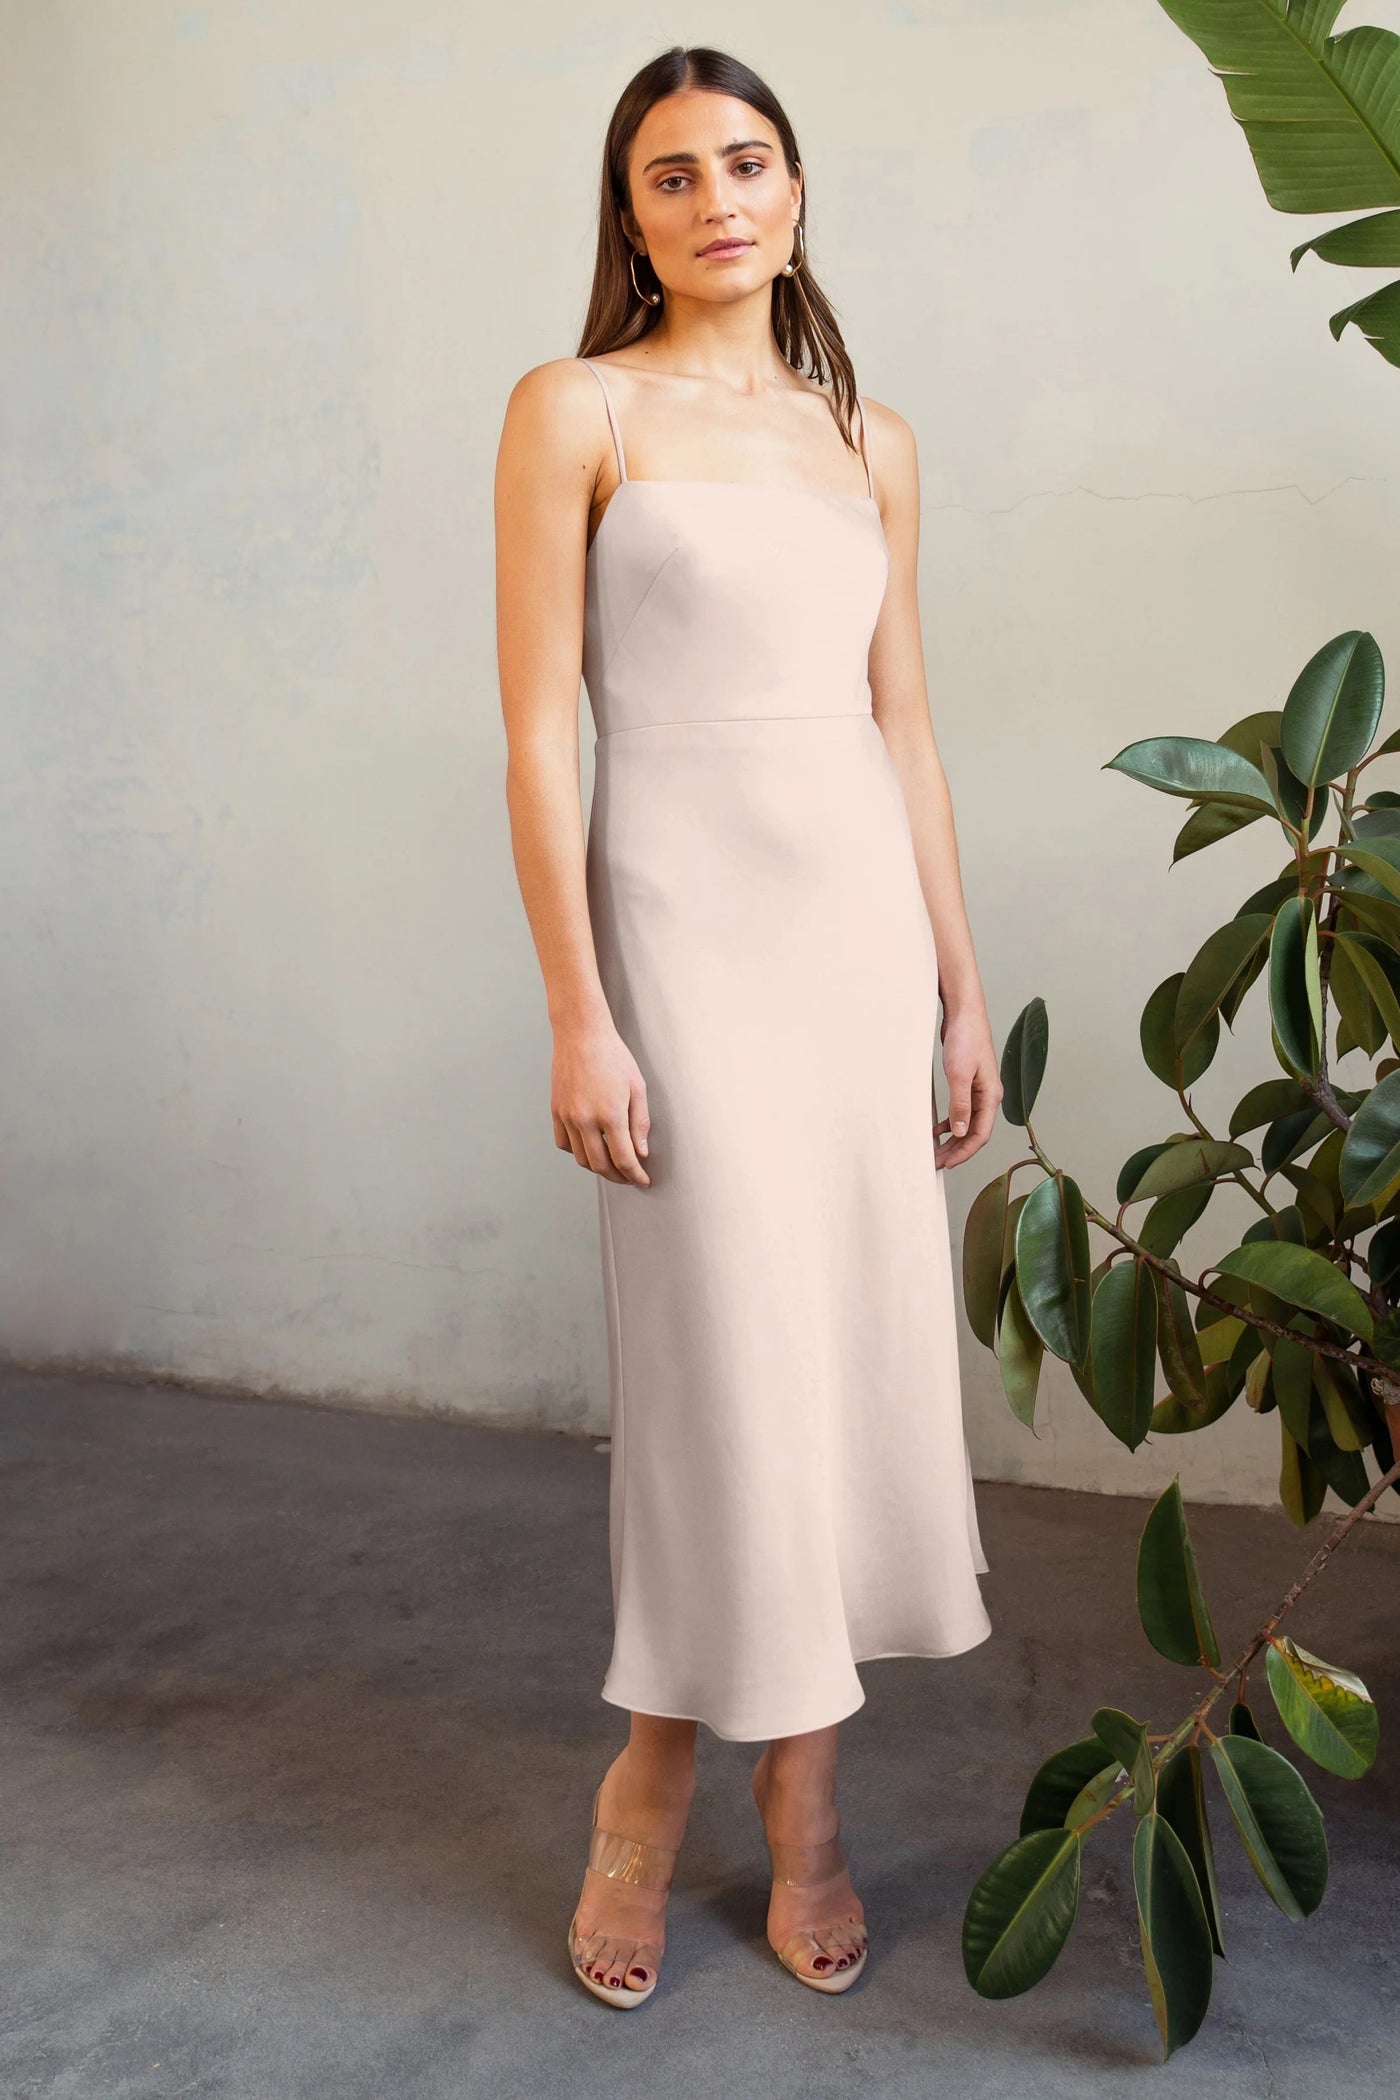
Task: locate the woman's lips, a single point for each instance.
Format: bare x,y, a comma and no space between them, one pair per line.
726,247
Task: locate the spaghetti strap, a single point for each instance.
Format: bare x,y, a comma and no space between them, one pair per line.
612,416
865,447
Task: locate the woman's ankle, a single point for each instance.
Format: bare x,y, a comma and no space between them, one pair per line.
655,1788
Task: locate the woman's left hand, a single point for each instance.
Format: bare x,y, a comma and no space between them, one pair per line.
974,1086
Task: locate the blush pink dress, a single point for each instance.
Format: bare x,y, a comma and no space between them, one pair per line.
790,1489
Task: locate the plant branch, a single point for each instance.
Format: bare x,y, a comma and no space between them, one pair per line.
1320,1347
1196,1718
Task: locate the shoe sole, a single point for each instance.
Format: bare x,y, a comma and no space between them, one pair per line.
840,1981
621,1996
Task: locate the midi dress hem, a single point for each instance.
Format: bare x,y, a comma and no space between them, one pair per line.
800,1726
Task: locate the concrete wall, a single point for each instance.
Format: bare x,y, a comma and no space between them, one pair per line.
275,1100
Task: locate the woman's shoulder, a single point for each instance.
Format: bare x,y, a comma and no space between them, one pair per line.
557,407
882,418
887,422
558,379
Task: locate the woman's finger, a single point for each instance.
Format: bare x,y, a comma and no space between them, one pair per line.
576,1144
639,1116
598,1155
618,1139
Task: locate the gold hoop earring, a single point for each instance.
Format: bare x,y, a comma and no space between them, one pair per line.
650,298
795,262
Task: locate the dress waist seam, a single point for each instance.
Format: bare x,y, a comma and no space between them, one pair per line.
841,714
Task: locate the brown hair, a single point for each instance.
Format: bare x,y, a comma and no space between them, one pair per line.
804,322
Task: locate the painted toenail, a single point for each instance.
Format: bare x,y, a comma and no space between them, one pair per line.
843,1963
823,1961
638,1972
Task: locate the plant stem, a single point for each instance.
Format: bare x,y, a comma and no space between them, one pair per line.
1196,1718
1358,1362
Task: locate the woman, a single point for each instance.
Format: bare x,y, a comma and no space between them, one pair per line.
743,965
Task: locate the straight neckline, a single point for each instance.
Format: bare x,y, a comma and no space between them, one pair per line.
625,480
779,488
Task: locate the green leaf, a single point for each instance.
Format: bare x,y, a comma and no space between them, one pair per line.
1181,1799
1328,1712
1283,73
1219,966
1360,952
1126,1739
1370,1161
1361,1020
1183,1162
1172,1417
1207,826
1348,1424
988,1239
1377,857
1171,1218
1259,1384
1376,314
1023,1061
1157,1036
1371,243
1293,1383
1219,820
1058,1782
1052,1266
1380,914
1316,110
1301,1486
1344,1471
1279,1823
1331,715
1242,1721
1219,1334
1019,1913
1175,1933
1295,987
1171,1603
1123,1346
1267,1102
1301,1276
1178,1344
1019,1355
1195,768
1094,1795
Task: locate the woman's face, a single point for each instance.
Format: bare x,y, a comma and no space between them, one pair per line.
707,168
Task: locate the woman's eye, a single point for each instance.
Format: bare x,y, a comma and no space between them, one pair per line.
668,183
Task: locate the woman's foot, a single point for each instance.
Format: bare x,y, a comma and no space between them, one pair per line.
816,1925
619,1927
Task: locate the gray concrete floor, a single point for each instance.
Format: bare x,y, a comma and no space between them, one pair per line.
300,1728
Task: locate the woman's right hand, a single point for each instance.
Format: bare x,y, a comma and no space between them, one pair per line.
599,1102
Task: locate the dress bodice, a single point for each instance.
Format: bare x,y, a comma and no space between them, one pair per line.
723,600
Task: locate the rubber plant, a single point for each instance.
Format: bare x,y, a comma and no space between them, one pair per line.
1300,1319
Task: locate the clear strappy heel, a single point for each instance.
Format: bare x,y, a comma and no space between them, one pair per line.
643,1865
834,1934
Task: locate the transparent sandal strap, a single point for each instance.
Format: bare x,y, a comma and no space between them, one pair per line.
800,1866
633,1860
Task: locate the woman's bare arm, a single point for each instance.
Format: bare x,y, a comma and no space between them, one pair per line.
899,696
553,445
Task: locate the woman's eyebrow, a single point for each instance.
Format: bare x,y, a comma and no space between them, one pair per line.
734,146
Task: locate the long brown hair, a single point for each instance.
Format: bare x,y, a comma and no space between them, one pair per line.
804,323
